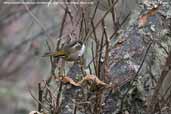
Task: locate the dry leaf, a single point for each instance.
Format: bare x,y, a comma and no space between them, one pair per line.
66,79
144,18
93,78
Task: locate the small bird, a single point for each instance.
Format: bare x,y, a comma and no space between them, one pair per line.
70,52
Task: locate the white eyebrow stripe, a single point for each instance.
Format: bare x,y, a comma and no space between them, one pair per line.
76,44
82,50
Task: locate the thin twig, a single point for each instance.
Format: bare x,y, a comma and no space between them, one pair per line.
85,24
61,84
101,50
163,76
29,89
75,109
99,22
98,105
135,76
106,61
95,10
120,26
40,92
93,56
97,48
58,96
112,36
89,67
42,27
63,22
36,19
113,14
81,27
70,15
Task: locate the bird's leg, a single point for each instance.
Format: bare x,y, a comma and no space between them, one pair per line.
63,67
81,63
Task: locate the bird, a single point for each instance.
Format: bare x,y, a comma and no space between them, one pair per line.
70,52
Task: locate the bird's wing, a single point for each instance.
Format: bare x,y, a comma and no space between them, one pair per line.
56,54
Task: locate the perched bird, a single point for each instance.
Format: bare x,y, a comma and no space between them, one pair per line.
70,52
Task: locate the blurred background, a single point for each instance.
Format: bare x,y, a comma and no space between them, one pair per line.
23,42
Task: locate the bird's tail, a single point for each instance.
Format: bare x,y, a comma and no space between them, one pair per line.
55,54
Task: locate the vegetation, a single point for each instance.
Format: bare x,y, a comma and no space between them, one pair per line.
124,70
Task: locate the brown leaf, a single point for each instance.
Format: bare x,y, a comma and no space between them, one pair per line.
93,78
144,18
66,79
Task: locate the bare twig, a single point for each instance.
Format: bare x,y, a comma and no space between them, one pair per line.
29,89
164,73
98,106
120,25
135,76
93,56
75,109
36,19
57,108
63,22
101,50
98,23
40,92
81,27
85,23
95,10
114,33
106,61
58,97
113,14
94,31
